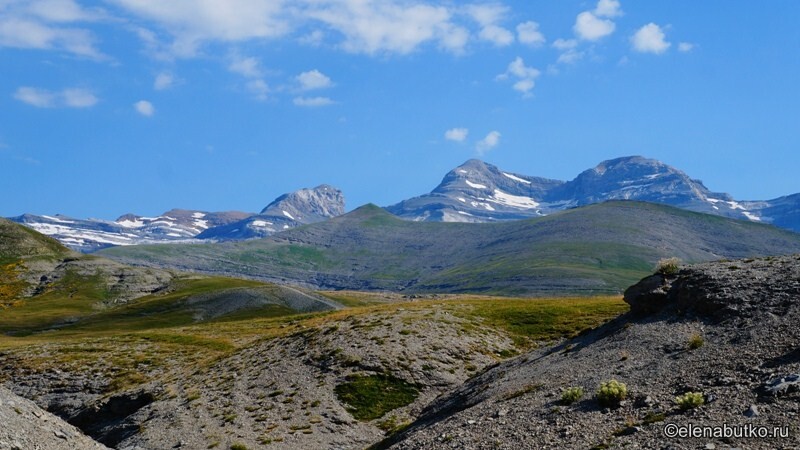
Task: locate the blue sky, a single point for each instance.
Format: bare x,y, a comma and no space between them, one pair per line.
116,106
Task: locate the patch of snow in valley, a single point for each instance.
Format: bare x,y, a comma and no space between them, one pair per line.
198,215
288,215
516,178
475,185
260,223
56,219
462,171
462,200
516,201
131,223
752,216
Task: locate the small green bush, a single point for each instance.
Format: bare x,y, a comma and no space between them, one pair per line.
696,341
611,393
571,395
690,400
238,446
668,266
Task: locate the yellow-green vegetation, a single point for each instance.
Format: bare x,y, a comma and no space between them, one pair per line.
690,400
155,337
571,395
696,341
668,266
611,393
544,319
370,397
11,287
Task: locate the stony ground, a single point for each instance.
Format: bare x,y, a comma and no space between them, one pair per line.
25,426
276,392
727,330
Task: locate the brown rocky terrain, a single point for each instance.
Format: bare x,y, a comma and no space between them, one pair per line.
727,331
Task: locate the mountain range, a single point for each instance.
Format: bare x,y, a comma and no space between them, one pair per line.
599,248
181,225
472,192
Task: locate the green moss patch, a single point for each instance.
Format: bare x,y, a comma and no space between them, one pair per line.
370,397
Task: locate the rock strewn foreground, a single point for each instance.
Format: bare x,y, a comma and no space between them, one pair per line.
729,330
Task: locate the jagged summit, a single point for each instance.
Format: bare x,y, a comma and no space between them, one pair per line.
287,211
322,201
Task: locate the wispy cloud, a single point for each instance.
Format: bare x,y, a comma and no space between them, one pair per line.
528,33
313,79
685,47
312,102
44,98
525,76
489,17
487,143
49,25
456,134
164,80
144,108
650,39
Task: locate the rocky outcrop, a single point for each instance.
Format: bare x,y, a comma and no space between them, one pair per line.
25,426
722,290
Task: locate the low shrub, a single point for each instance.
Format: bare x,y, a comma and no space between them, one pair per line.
571,395
611,393
668,266
690,400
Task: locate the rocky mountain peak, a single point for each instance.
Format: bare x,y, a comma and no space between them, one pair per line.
308,205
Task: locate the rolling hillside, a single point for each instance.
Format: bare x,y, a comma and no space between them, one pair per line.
600,248
45,286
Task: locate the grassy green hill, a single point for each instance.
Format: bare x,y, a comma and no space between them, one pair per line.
600,248
45,286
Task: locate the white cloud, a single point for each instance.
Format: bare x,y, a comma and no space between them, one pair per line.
565,44
40,98
570,57
43,98
313,79
650,39
144,108
489,142
248,67
28,34
685,47
193,22
488,16
528,33
525,76
453,38
456,134
164,80
591,28
497,35
608,8
62,11
46,25
312,102
385,27
78,98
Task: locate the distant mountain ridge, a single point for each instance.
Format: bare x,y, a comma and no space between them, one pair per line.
598,248
472,192
182,225
480,192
